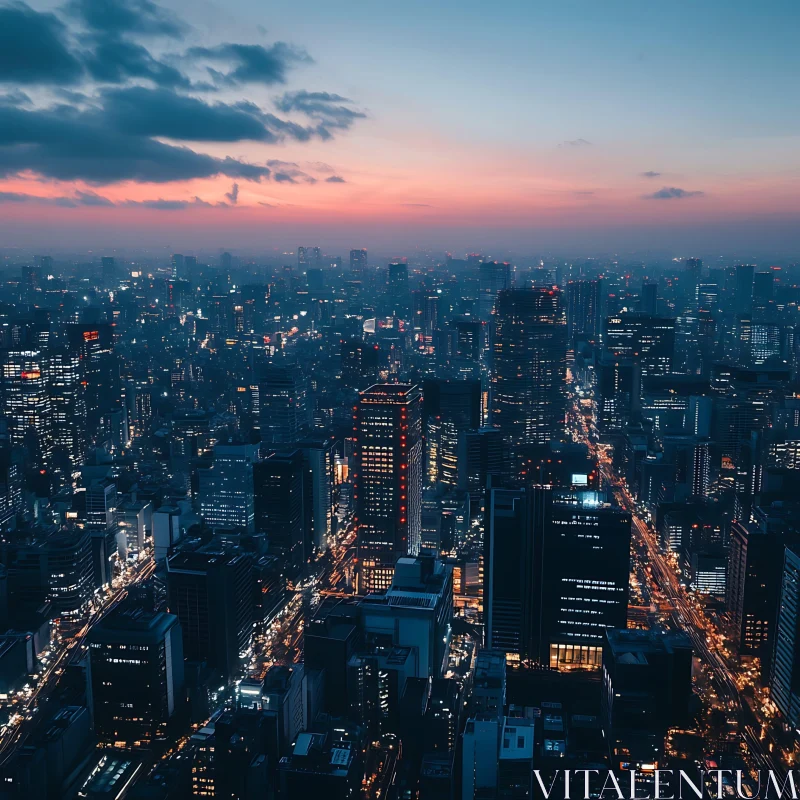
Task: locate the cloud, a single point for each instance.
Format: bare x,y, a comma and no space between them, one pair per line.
335,179
289,172
170,205
671,192
117,113
252,63
574,143
66,145
233,194
416,205
33,49
112,59
127,16
650,174
584,193
329,110
92,199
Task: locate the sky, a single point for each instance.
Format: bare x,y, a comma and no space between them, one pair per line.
520,125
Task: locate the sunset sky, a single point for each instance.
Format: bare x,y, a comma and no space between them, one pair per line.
575,125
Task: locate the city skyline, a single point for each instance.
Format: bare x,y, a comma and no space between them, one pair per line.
576,128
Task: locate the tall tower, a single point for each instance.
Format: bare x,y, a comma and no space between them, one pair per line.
529,369
388,480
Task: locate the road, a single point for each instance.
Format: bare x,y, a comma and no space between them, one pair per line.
72,650
685,612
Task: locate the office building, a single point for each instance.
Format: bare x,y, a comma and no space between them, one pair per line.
494,278
283,404
387,480
226,488
529,360
647,687
137,676
415,611
279,482
645,338
555,575
211,593
584,315
449,408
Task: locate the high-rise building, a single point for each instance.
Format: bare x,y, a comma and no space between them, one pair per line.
70,572
226,488
494,278
137,676
529,366
319,490
584,310
449,407
745,274
649,300
211,593
647,688
26,403
178,264
648,339
94,345
556,572
280,506
358,260
784,681
68,408
387,479
283,404
753,586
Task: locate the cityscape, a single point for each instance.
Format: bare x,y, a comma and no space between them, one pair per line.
399,404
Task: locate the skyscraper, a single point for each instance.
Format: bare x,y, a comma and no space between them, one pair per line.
358,260
583,310
280,506
211,593
26,403
68,409
226,488
744,288
494,277
648,339
556,574
529,361
387,479
283,406
449,407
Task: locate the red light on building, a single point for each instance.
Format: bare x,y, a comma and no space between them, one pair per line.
31,375
91,336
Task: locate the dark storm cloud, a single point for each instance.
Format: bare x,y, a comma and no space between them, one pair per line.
33,48
19,197
64,144
330,110
127,17
670,193
335,179
650,174
252,63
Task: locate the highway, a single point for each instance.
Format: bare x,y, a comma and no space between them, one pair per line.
686,613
